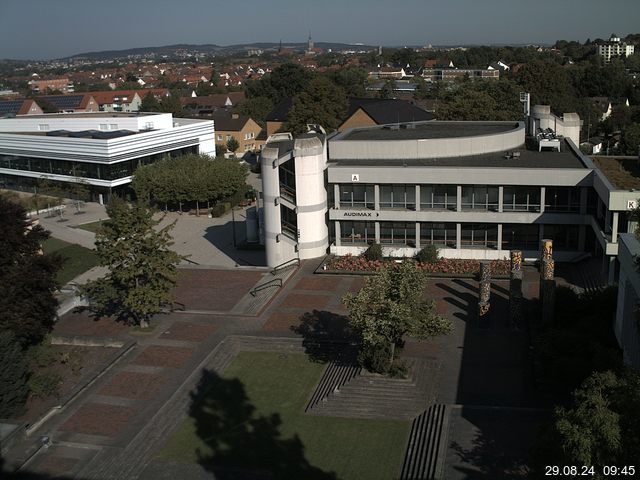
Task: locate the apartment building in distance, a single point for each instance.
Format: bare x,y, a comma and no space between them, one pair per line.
244,129
615,48
63,85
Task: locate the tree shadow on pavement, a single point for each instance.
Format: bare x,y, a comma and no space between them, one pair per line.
327,337
241,444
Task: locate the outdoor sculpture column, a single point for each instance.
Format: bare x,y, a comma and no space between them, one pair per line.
547,281
485,292
515,290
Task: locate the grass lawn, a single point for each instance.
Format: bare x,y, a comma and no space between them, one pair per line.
91,227
77,259
233,424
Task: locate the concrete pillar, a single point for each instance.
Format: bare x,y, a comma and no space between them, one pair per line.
458,236
338,233
336,196
614,228
543,192
500,236
377,232
583,200
459,199
376,197
500,198
275,254
417,198
418,246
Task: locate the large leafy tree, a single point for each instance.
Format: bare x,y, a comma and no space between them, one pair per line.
14,372
27,278
322,102
549,84
630,140
481,100
142,266
390,306
285,81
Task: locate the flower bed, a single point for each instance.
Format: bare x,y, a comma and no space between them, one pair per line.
451,266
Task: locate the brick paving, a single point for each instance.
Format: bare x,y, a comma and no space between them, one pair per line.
133,385
83,323
207,289
54,465
99,419
282,321
161,356
328,284
189,332
308,302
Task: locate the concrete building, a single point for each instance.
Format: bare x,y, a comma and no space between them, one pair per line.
614,48
244,129
99,149
474,189
63,85
626,323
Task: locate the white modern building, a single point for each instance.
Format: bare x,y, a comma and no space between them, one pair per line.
101,150
474,189
615,48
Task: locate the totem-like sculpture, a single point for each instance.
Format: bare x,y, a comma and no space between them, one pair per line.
485,292
547,281
515,290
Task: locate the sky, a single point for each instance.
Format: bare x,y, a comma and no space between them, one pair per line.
45,29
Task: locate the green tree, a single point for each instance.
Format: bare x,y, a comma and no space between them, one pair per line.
389,306
257,108
285,81
481,100
14,374
149,103
232,145
171,104
27,278
549,84
322,102
630,140
388,89
142,267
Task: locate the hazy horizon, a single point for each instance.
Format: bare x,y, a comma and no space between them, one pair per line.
34,30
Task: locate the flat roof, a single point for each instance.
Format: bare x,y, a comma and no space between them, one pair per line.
566,158
622,172
428,130
87,114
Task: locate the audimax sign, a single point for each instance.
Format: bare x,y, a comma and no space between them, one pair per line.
360,214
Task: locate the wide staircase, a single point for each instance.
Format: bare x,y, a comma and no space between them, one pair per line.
366,395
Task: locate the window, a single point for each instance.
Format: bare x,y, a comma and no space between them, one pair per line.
440,234
228,137
565,237
475,197
398,196
289,222
219,137
520,236
479,235
398,233
113,126
521,199
438,197
562,199
43,127
362,233
358,196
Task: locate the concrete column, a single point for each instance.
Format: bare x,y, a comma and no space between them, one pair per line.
338,233
583,200
500,236
417,198
459,199
614,228
376,197
377,232
418,236
500,202
543,191
336,196
458,236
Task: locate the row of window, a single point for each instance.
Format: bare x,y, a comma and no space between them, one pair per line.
474,197
98,171
473,235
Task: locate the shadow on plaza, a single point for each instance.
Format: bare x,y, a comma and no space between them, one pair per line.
494,428
242,444
235,247
27,475
326,337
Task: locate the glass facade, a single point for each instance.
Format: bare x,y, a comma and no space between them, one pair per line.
440,234
438,197
562,199
98,171
398,196
357,196
289,222
476,197
287,173
357,233
520,236
521,199
398,233
565,237
479,235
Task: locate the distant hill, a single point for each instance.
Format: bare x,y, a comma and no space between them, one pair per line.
208,49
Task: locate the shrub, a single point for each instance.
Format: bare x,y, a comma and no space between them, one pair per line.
428,254
399,369
220,209
44,384
14,372
375,357
374,253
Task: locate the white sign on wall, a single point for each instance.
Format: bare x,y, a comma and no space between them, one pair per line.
632,204
355,177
